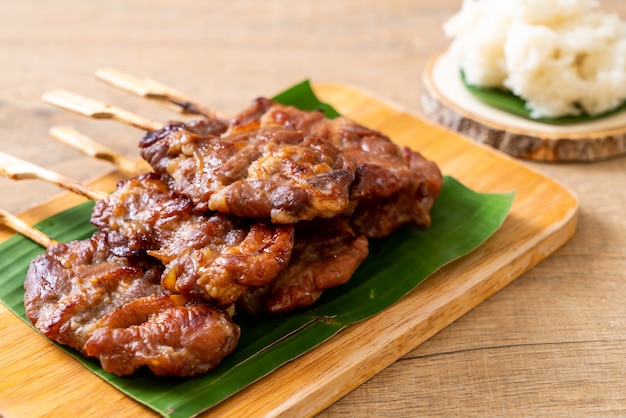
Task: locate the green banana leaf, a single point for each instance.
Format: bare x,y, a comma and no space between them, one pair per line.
395,266
507,101
301,96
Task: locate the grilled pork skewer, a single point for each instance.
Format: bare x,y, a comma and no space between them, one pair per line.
135,307
144,216
16,224
279,162
154,90
93,149
113,308
310,178
291,176
252,166
331,258
97,110
216,256
124,330
18,169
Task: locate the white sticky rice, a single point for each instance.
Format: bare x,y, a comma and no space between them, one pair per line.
564,57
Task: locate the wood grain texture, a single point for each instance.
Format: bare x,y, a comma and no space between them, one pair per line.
312,382
561,322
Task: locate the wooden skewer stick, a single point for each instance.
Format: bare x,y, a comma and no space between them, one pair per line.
154,90
21,227
97,110
93,149
18,169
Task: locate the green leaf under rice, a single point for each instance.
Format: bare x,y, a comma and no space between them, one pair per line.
507,101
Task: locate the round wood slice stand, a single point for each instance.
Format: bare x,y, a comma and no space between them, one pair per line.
446,101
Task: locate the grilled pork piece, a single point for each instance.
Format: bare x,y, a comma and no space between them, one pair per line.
326,253
277,161
393,186
113,308
251,171
214,256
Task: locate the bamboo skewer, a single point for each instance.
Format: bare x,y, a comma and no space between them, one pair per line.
21,227
97,110
154,90
18,169
93,149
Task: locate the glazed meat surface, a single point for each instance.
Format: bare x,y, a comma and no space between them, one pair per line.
377,214
393,186
277,161
215,256
171,335
326,253
113,308
252,171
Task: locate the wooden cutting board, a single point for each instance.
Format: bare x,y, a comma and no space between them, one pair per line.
38,379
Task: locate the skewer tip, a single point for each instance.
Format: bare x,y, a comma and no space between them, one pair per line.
97,110
19,226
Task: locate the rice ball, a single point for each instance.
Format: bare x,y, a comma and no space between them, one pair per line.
563,57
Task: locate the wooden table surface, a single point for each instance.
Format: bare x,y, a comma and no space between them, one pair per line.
551,343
